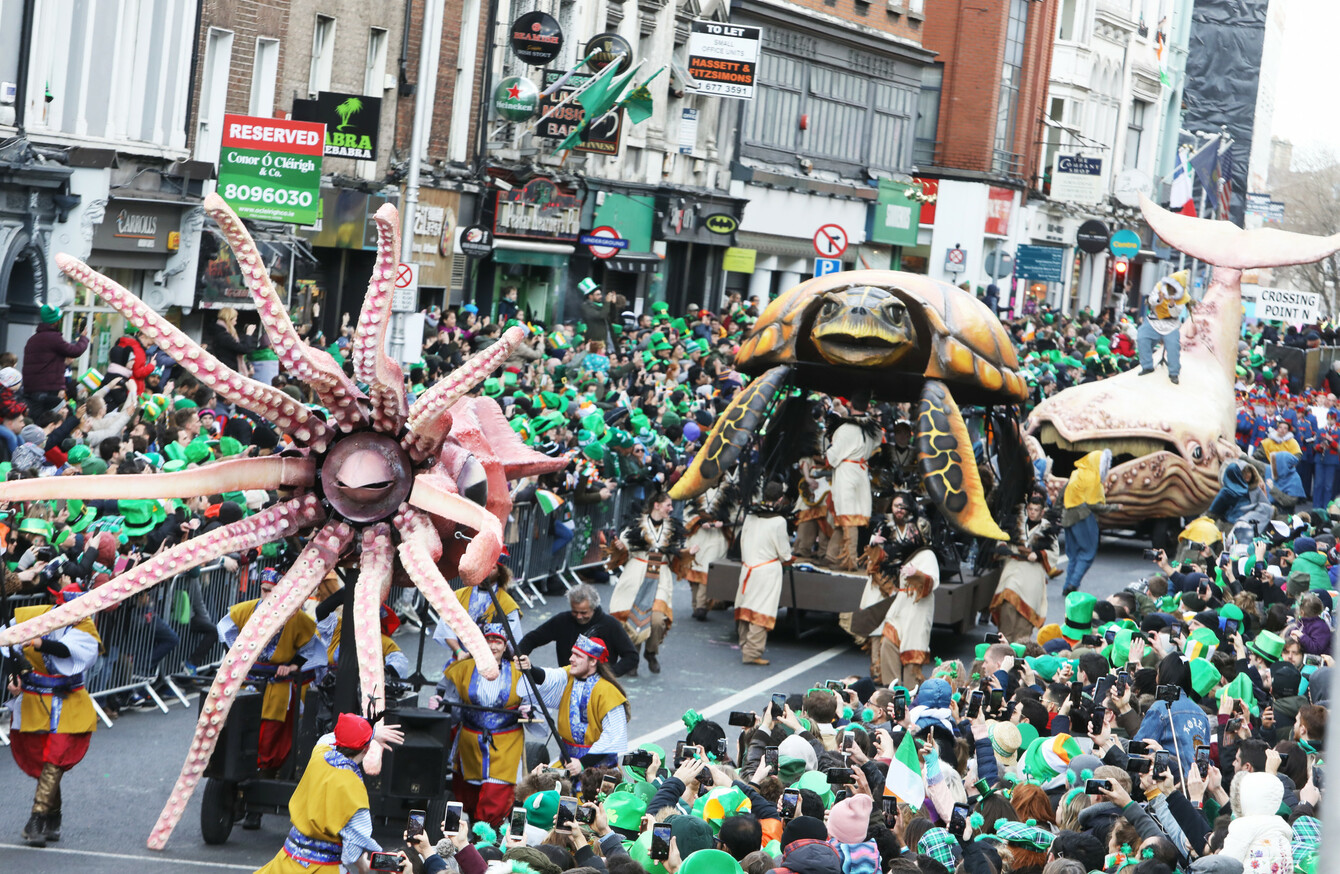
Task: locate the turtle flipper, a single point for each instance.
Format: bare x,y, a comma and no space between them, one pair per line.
731,434
948,466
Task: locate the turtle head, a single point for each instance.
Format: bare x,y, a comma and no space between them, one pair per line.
862,327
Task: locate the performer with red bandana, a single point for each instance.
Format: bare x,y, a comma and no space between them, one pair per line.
589,706
332,822
53,717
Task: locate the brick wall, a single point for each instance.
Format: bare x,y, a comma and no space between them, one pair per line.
247,19
446,81
878,15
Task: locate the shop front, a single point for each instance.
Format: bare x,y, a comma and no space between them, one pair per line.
698,229
344,244
781,227
29,209
535,231
442,271
635,271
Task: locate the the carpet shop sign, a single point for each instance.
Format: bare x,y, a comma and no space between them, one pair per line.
270,169
352,122
540,209
536,38
601,138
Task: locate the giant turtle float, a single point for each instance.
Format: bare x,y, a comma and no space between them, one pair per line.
903,337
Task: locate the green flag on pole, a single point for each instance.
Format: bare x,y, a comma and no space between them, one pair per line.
597,92
638,103
598,104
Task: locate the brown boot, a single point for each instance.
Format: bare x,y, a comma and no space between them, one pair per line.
48,785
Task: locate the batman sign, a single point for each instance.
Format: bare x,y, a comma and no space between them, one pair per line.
721,223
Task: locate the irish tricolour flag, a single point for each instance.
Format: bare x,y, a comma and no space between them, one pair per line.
904,781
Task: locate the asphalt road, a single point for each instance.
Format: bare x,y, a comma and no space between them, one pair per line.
113,797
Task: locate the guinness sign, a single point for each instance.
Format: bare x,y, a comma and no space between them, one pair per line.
608,48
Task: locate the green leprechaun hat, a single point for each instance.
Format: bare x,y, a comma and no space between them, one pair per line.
1078,615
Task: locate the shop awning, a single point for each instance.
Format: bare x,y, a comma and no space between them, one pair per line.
785,247
534,252
636,262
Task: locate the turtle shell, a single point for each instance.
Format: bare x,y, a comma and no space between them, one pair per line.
956,340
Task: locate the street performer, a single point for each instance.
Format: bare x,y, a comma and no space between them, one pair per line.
1019,606
477,602
854,441
765,546
297,648
489,750
642,597
590,706
332,821
53,718
330,625
812,526
903,564
709,517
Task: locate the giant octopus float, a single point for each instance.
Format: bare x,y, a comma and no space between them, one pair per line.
378,480
1169,440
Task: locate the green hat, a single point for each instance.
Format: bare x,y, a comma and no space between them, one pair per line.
1027,734
691,834
1200,644
541,809
660,306
588,287
155,459
1045,666
817,782
1204,676
93,467
79,454
620,439
493,387
641,788
185,404
1024,834
1048,758
1232,611
509,378
1241,690
197,451
141,515
228,447
554,401
1119,652
659,344
31,525
595,451
1268,645
699,345
548,421
624,810
80,517
49,314
174,465
1078,615
640,850
719,803
709,862
1019,650
681,327
669,419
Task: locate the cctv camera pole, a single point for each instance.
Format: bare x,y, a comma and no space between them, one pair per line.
430,50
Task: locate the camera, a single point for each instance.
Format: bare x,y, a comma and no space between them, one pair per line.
384,862
1195,547
1096,787
840,776
1168,693
1151,555
637,759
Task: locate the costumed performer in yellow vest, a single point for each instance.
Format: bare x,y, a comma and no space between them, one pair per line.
52,714
590,706
332,823
489,751
1165,305
476,601
296,648
330,625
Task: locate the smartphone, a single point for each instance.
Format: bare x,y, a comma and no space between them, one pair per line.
1076,693
1151,555
567,811
975,703
586,814
770,758
1203,761
778,704
608,784
840,776
414,826
518,824
790,803
997,699
740,718
835,686
1311,659
660,842
1123,682
1163,761
958,820
1139,764
890,811
1096,719
995,637
1284,760
899,706
1096,787
383,861
1137,748
679,753
1102,687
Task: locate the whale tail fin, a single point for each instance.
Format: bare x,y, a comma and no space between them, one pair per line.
1224,244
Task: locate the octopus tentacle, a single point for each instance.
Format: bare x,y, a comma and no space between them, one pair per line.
385,380
374,574
466,430
222,476
518,459
268,619
253,532
430,417
313,366
266,401
420,548
436,494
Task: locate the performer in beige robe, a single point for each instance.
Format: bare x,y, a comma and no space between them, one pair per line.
708,526
765,548
854,441
1019,606
906,642
812,526
642,597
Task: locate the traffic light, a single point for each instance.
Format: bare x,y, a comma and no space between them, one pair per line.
1123,264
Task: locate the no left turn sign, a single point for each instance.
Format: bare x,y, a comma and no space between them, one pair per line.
830,241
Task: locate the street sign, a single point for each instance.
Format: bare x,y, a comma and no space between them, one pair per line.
723,58
999,264
830,241
1125,242
825,266
604,242
270,169
1092,236
956,260
406,296
1293,307
1045,263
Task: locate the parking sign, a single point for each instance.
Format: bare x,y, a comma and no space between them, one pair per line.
825,266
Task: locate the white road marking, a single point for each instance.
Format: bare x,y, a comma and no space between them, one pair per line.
101,854
766,685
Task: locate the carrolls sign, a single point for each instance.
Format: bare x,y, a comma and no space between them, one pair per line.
539,209
137,226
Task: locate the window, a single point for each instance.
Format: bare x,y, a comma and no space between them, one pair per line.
213,94
776,106
1135,128
323,54
264,72
1056,118
1068,21
928,114
374,76
917,6
1011,71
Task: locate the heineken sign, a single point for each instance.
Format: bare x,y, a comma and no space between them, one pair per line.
352,122
270,168
516,98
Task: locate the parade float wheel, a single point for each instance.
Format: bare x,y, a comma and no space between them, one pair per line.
218,810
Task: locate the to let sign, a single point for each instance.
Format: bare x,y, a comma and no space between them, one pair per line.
1293,307
270,169
723,58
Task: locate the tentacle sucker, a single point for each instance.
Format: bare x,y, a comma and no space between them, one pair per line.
374,574
266,621
385,380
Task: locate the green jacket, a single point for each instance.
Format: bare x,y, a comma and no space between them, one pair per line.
1314,563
